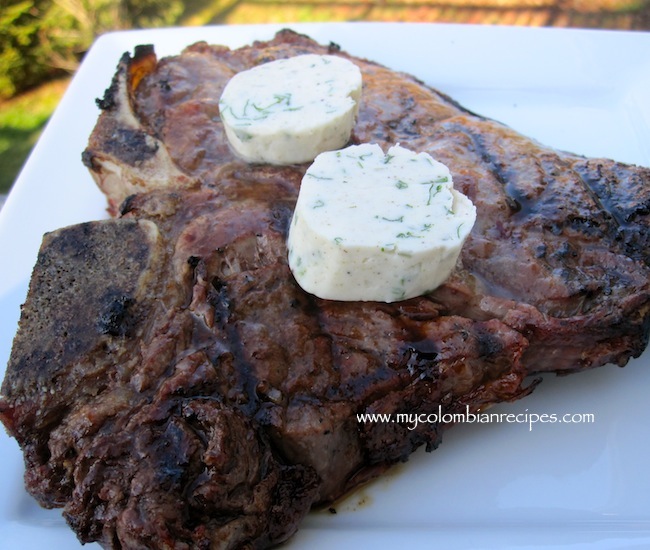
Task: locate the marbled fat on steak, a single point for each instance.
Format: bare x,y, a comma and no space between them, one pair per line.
172,387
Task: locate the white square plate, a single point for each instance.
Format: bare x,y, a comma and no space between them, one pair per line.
507,486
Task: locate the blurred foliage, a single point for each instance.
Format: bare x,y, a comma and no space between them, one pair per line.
42,39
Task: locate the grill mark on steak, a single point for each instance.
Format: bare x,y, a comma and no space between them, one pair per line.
602,205
603,179
130,146
214,402
515,201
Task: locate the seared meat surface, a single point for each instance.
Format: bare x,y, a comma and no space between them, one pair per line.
202,398
172,387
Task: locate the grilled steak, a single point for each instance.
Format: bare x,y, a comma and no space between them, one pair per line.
172,387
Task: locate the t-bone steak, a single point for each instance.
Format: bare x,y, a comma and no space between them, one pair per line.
171,386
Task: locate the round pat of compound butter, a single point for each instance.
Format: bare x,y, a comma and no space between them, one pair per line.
290,110
377,227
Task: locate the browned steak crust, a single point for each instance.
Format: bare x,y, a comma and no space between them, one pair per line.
205,397
183,391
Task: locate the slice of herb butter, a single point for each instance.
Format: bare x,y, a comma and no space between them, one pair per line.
375,226
289,110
